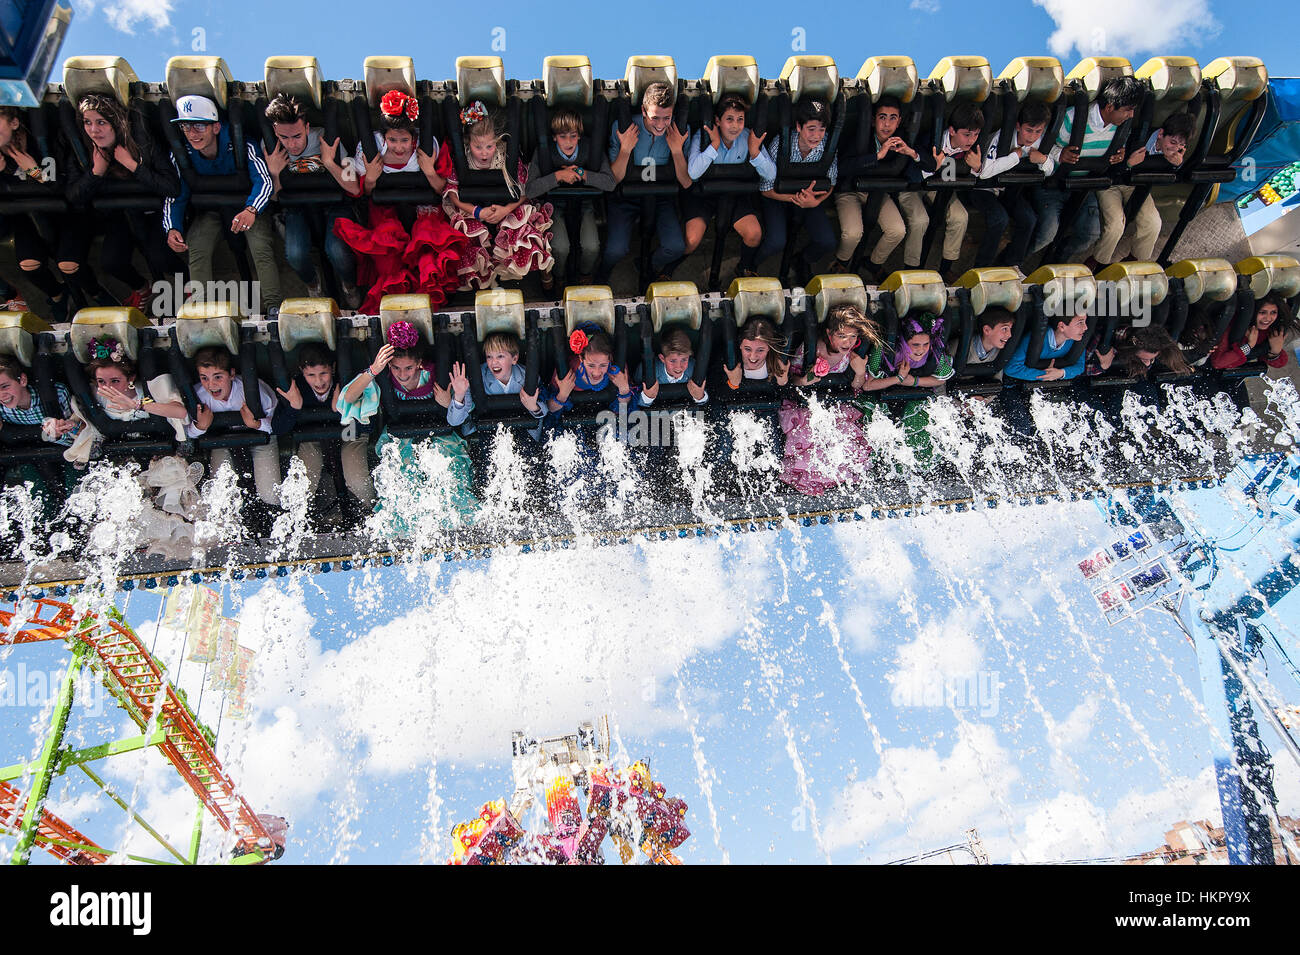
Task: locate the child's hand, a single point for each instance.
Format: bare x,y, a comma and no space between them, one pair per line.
203,417
1175,154
696,391
1104,358
426,162
620,381
755,143
715,140
442,395
1036,157
1117,156
1277,341
98,162
492,214
651,390
375,167
859,381
1052,374
1139,154
116,399
528,401
277,159
329,153
293,395
939,156
564,386
733,375
858,364
1070,155
973,159
568,175
63,425
246,414
903,370
782,372
381,360
675,137
627,138
176,242
459,382
815,198
334,397
1252,336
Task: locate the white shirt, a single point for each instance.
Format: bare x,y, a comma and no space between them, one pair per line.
996,165
234,403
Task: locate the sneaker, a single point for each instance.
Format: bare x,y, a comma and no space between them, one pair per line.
15,304
138,299
548,282
59,309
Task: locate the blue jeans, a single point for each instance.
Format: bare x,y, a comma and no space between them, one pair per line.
778,217
623,215
1024,223
1048,203
298,229
995,223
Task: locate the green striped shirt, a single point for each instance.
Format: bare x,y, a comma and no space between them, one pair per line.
1096,139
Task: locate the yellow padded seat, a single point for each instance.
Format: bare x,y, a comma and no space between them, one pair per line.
568,81
757,297
481,78
589,303
1093,72
119,323
297,76
1211,279
993,287
889,76
499,310
732,73
198,76
646,68
1143,282
308,320
827,291
207,324
415,309
811,76
1279,274
18,331
98,74
916,290
963,77
1040,77
674,302
386,73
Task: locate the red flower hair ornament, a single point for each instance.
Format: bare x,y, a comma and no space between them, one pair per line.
395,103
577,341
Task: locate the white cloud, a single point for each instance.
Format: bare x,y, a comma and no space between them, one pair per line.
1121,28
125,14
924,6
940,797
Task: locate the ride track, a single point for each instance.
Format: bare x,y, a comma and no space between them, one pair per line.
137,681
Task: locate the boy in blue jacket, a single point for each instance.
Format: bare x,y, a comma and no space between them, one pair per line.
211,153
1057,342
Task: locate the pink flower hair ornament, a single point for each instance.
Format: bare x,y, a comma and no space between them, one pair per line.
403,335
106,348
821,368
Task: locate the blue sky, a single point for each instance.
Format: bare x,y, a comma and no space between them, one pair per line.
147,32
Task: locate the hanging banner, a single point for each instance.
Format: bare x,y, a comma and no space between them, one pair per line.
237,701
205,626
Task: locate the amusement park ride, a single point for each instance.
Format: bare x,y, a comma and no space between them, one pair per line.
1165,565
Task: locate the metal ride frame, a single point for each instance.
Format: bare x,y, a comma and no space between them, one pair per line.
137,681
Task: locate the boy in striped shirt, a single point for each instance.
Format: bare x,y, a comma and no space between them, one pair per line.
1115,105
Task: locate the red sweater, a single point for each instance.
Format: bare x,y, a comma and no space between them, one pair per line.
1236,354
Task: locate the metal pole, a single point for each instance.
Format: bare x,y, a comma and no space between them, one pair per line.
45,765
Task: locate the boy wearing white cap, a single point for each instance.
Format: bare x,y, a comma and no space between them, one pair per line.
211,153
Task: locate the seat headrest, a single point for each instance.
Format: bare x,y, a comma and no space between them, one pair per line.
110,75
963,77
199,75
1041,77
1173,78
732,73
1093,72
915,289
206,324
568,81
674,302
889,76
1067,288
18,331
1212,279
589,303
1237,77
1279,274
415,309
481,78
993,287
811,76
1129,287
386,73
304,320
297,76
499,310
757,297
646,68
827,291
118,323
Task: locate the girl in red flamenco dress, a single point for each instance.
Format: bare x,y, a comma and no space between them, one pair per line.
392,258
506,241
